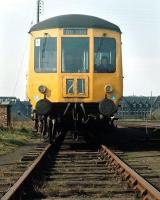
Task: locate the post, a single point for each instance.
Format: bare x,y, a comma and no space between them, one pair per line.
38,6
151,107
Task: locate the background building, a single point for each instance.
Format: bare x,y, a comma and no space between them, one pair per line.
19,110
139,107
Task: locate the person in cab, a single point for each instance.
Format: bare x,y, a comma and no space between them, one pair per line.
105,66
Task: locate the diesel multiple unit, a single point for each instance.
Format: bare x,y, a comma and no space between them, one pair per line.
75,72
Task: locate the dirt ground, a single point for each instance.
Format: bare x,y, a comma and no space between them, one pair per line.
16,155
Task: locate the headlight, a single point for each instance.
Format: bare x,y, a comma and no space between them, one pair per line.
42,89
108,88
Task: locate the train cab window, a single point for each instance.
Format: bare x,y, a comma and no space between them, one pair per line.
75,55
104,55
45,54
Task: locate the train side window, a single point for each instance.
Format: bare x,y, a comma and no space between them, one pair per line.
45,54
104,55
75,55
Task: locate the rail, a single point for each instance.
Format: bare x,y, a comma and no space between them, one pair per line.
14,191
139,184
140,124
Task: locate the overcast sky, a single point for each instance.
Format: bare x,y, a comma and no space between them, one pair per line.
139,21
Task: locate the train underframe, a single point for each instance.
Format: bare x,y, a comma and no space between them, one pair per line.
51,119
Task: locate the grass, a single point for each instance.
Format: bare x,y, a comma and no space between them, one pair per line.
11,139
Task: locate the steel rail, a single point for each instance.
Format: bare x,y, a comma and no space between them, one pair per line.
139,184
140,124
14,191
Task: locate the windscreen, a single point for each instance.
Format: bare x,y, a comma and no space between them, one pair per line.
104,55
75,55
45,54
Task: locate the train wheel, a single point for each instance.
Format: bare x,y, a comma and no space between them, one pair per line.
44,127
50,129
76,120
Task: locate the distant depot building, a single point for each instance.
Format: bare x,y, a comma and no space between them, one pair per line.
12,108
140,107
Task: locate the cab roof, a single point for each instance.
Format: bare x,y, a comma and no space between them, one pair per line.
75,21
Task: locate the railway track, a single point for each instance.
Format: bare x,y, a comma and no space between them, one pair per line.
139,182
12,175
147,124
138,161
76,170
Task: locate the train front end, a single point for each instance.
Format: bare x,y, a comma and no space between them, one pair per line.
75,72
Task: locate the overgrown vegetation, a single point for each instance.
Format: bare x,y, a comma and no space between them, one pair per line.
11,139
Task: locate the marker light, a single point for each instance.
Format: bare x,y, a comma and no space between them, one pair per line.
42,89
108,88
